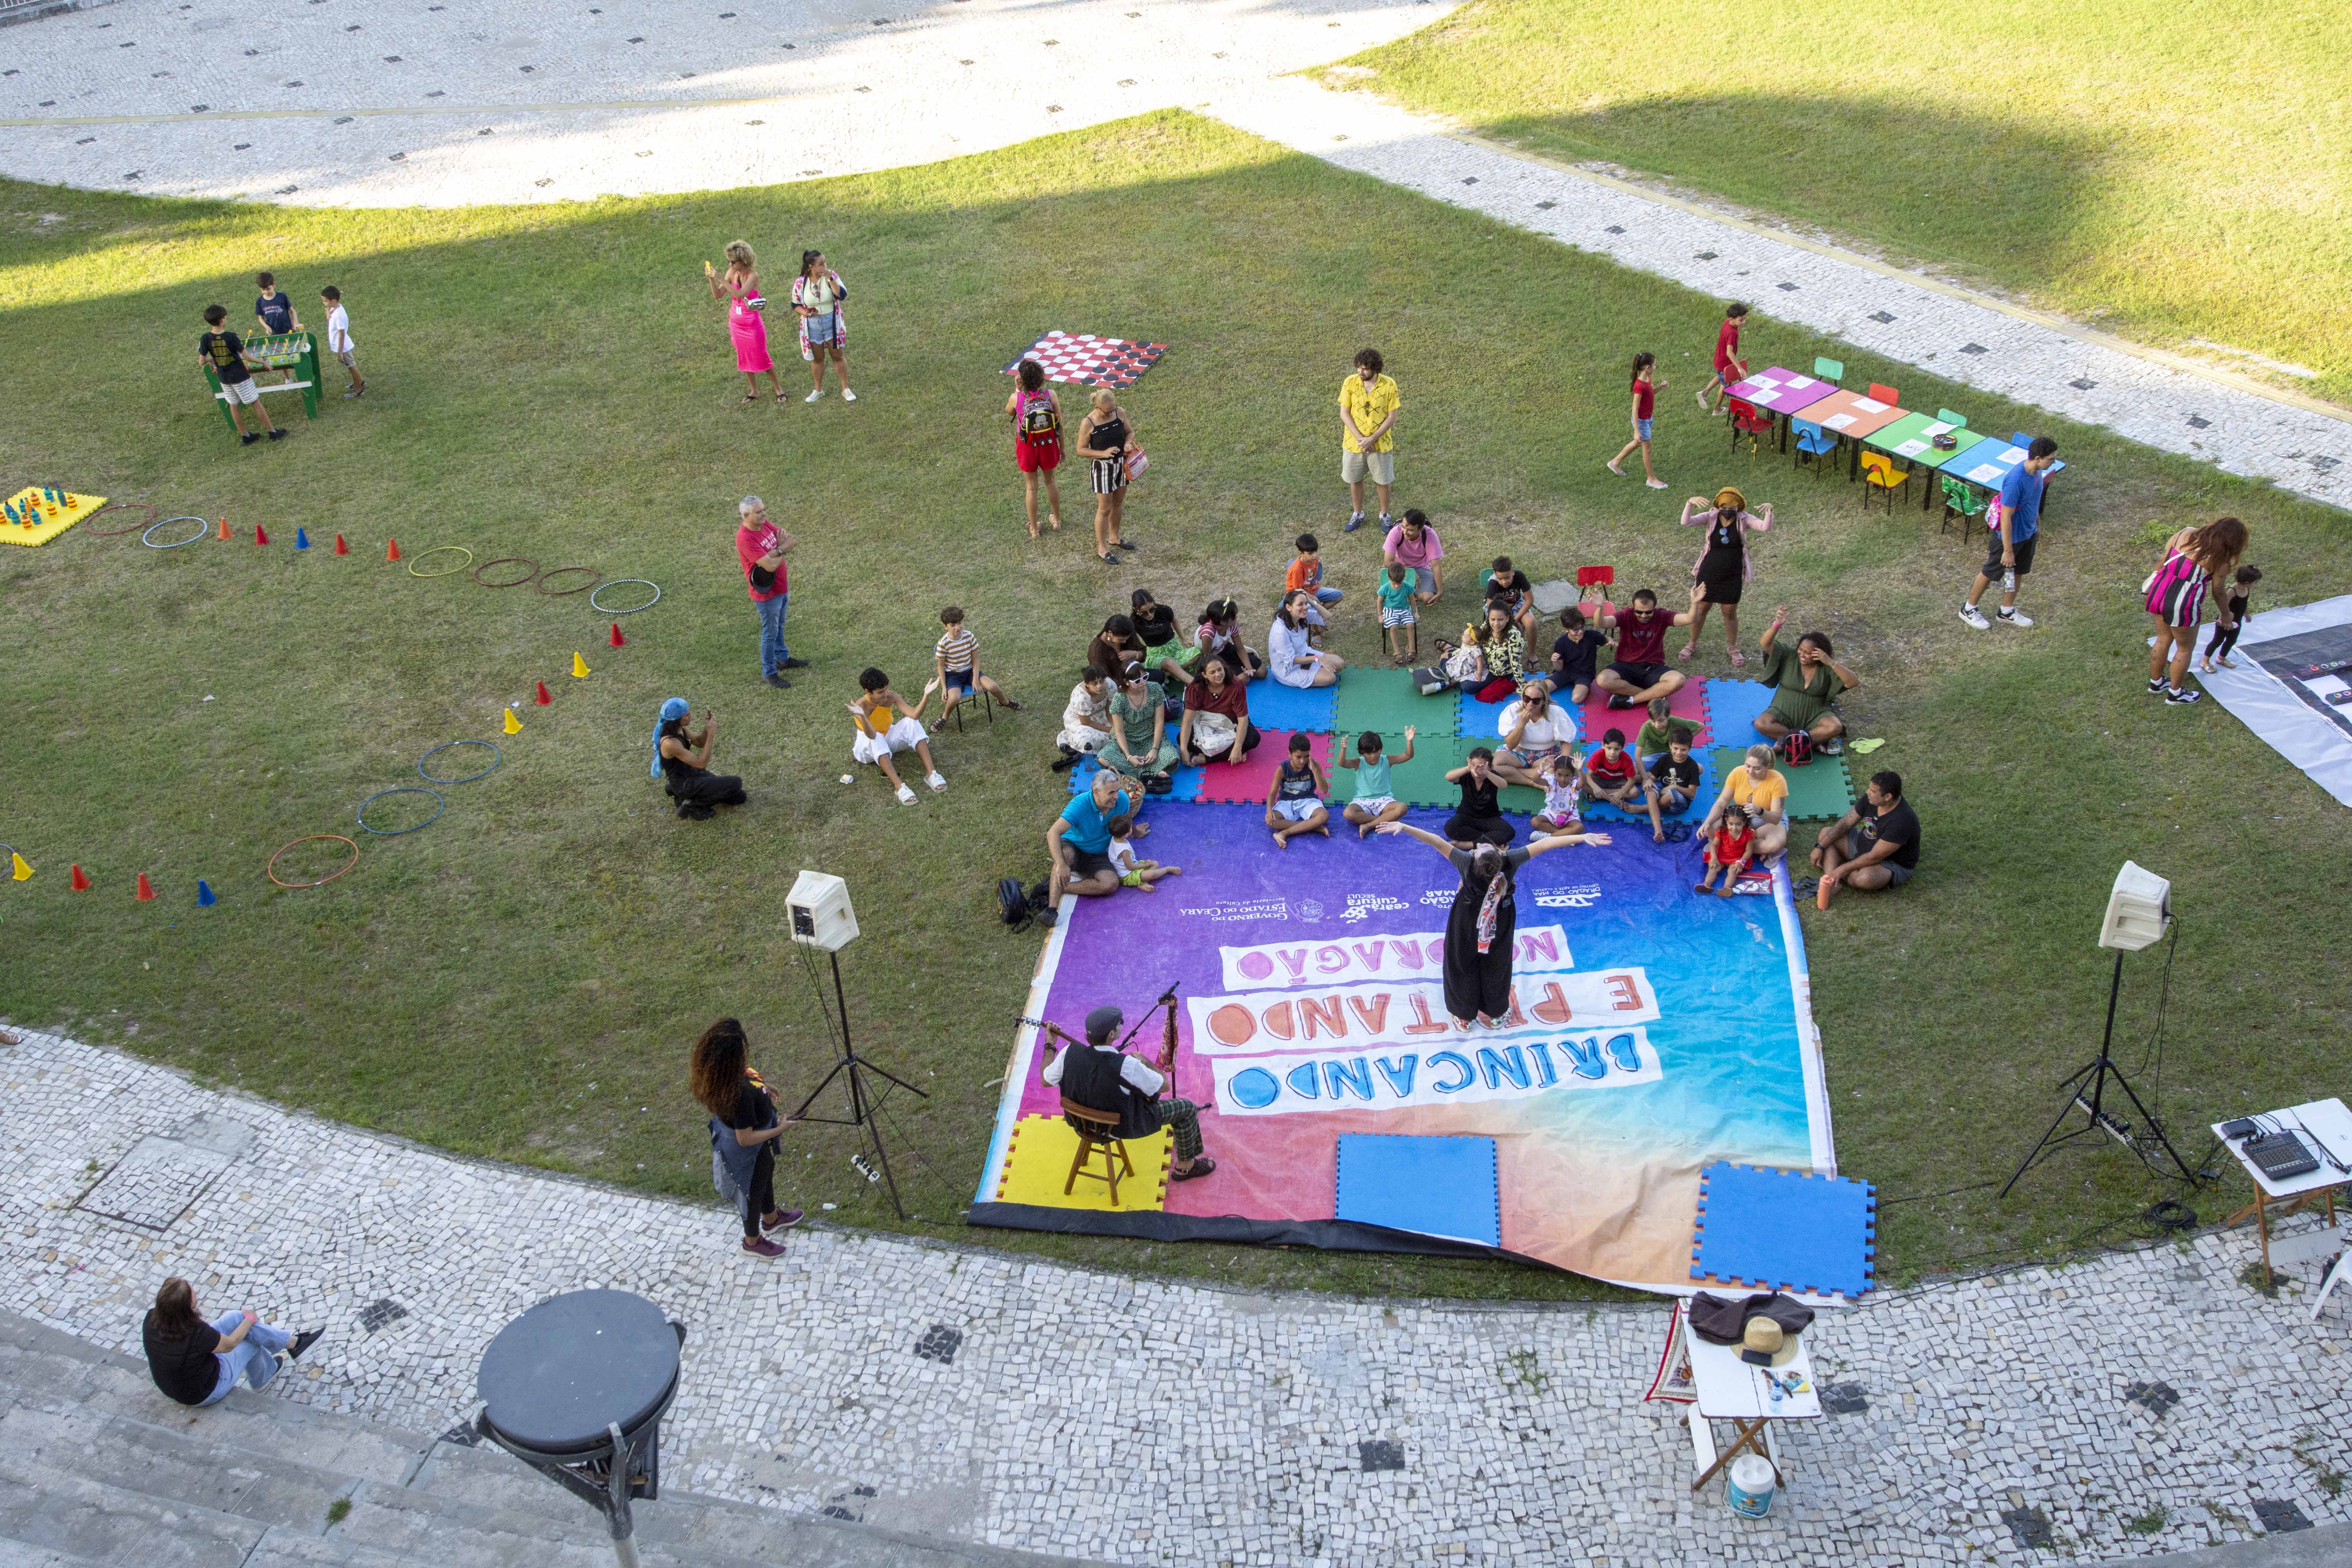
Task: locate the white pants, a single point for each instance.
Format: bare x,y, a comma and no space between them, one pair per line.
903,736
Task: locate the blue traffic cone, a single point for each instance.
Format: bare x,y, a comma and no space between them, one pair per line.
302,540
205,897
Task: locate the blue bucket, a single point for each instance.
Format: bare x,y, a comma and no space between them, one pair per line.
1748,1487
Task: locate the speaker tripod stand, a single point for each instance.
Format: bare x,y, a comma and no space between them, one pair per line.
862,1101
2086,1092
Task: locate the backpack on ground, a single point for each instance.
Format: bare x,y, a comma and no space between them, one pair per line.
1012,903
1796,748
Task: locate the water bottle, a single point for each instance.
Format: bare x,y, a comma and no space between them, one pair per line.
2009,579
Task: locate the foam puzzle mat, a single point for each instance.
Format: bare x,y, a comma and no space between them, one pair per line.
34,515
1387,701
1764,1229
1435,1186
1274,706
1037,1164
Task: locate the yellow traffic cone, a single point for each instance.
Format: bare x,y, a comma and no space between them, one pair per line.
579,667
514,725
20,867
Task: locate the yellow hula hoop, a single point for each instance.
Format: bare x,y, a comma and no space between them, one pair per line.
435,550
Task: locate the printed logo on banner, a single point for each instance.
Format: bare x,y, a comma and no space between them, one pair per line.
1226,910
1363,906
1354,960
1582,896
1459,1073
1357,1017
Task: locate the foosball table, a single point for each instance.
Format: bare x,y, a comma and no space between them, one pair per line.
296,352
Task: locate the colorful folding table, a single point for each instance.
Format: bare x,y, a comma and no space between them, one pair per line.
1779,390
1850,417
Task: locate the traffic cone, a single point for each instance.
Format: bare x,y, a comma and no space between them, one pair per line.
579,667
618,640
301,539
392,550
79,883
146,889
205,897
340,548
514,723
224,530
260,535
543,698
19,867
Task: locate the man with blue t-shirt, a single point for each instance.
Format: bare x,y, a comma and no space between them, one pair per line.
2016,519
1079,842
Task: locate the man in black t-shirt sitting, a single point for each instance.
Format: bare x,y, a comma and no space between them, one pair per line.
1871,848
223,351
1100,1076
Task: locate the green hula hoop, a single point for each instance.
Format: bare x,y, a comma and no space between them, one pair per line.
496,757
435,550
595,599
506,560
147,539
439,804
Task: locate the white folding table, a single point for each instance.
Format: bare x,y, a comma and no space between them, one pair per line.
1733,1389
2324,1120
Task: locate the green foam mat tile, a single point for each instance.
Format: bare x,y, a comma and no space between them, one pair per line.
1387,701
1819,789
1422,782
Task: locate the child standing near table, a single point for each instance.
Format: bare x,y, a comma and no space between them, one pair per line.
224,352
1398,618
1729,366
339,338
274,311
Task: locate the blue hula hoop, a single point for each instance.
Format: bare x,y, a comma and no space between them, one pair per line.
598,595
439,804
146,538
496,757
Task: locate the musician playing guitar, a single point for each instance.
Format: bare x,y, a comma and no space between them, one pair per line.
1101,1077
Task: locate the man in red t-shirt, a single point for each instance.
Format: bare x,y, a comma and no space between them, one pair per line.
1639,672
760,546
1729,366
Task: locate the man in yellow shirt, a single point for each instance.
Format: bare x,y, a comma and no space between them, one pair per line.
1367,412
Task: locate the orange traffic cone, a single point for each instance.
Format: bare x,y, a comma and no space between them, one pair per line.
146,891
340,548
392,550
224,530
79,883
260,535
618,640
543,698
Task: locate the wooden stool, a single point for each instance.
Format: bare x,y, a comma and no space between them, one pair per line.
1095,1131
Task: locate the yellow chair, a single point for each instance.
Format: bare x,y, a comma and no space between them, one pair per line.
1879,472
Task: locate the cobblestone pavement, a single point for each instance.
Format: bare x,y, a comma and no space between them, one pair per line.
395,101
967,1393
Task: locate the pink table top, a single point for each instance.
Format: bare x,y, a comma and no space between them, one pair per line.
1780,389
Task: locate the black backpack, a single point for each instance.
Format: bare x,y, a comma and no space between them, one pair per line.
1012,904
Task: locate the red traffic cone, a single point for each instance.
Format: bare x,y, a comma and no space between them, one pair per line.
618,640
340,548
146,890
260,535
80,883
543,698
392,550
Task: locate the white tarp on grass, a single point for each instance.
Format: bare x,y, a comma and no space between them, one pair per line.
2286,710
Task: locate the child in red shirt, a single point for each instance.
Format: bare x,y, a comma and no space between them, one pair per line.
1645,389
1729,852
1609,773
1727,359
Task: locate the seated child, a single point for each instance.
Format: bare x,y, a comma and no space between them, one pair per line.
1306,573
1575,656
887,723
1611,775
1132,872
1557,774
1375,803
1511,585
1398,618
1729,852
1660,727
1673,778
1293,802
956,659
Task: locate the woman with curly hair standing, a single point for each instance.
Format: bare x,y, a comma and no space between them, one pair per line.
745,1128
739,286
817,294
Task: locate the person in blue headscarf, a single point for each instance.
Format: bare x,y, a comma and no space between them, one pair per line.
682,760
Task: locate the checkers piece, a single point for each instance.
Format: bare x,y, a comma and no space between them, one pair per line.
1248,784
1820,790
1443,1186
1274,706
1187,781
1731,710
1086,360
1387,701
1762,1229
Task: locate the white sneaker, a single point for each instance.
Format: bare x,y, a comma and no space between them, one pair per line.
1975,618
847,396
2015,618
936,782
1655,484
813,396
906,796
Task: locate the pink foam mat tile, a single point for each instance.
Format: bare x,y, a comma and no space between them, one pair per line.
1248,784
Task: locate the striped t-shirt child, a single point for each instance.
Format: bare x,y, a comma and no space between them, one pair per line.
957,648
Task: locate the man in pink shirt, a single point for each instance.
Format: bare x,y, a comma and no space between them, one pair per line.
1412,544
760,546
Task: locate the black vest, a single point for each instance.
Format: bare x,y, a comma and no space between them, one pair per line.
1090,1078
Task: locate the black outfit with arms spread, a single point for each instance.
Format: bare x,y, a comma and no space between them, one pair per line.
1478,982
1724,568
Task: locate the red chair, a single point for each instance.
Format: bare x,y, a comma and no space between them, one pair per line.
1586,576
1886,394
1750,421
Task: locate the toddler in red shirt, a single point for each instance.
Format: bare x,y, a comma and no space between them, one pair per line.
1729,852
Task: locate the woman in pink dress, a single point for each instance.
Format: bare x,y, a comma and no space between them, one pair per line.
741,283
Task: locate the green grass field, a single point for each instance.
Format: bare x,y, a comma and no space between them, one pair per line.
520,979
2168,173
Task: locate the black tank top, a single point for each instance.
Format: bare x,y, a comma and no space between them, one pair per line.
1110,436
676,770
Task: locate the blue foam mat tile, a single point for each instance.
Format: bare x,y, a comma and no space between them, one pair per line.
1731,710
1708,783
1442,1185
1764,1229
1274,706
1188,780
1476,721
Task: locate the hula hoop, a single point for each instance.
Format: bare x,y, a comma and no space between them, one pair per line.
270,870
110,532
496,757
435,550
202,528
404,789
502,560
622,582
594,577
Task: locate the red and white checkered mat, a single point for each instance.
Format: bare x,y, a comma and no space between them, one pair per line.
1089,360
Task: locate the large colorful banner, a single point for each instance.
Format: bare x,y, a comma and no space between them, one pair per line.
1652,1031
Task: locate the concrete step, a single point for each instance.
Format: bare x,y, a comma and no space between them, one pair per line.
18,1555
168,1465
96,1523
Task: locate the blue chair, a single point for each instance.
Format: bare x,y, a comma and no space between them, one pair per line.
1813,442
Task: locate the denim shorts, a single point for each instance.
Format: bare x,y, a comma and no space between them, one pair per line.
821,329
1642,429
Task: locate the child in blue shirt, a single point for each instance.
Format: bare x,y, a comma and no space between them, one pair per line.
1397,614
